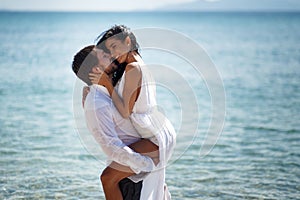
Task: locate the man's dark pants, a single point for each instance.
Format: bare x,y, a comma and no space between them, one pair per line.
130,190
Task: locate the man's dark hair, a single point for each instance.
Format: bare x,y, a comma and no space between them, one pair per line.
83,63
86,59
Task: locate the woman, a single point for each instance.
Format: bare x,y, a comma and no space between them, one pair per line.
134,98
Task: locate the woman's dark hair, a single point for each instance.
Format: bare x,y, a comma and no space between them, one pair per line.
119,32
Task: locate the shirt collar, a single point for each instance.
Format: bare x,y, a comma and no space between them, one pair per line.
100,88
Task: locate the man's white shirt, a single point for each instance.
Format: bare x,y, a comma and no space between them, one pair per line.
112,132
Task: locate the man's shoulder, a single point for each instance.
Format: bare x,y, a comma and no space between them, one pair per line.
97,99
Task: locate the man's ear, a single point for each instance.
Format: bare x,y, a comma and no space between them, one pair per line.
96,69
128,41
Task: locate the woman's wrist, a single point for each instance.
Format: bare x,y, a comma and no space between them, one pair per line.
100,82
110,89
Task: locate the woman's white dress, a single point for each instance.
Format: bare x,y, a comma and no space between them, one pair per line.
152,124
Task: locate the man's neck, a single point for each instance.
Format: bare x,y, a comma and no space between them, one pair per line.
100,88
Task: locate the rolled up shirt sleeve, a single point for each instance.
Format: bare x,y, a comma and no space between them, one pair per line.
100,123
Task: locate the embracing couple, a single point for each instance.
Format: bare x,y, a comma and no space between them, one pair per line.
121,112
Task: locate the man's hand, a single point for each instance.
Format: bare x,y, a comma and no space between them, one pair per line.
146,148
85,91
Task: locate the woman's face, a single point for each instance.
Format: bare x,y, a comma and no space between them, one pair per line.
118,48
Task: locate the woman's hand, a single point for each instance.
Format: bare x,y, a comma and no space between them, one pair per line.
85,91
100,78
95,77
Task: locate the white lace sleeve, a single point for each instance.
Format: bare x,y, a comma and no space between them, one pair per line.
100,123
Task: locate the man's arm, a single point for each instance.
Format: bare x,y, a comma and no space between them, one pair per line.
100,123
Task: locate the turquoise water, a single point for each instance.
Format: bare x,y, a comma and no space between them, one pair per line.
256,157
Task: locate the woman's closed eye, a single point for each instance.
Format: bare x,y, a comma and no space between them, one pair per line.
113,46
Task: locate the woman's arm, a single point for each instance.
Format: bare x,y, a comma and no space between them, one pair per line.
133,76
130,92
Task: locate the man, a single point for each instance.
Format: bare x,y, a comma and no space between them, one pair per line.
110,130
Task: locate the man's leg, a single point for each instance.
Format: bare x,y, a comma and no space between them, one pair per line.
114,173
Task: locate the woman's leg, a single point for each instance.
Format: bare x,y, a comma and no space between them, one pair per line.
110,178
114,173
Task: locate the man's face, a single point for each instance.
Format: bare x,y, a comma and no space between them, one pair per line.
103,58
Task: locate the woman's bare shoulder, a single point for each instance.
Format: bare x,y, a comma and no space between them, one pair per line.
133,66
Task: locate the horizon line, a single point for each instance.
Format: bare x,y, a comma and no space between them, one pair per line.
142,11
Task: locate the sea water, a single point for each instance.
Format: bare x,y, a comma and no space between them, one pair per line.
257,55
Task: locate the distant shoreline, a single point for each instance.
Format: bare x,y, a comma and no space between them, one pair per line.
159,11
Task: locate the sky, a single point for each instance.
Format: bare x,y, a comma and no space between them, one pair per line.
144,5
86,5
